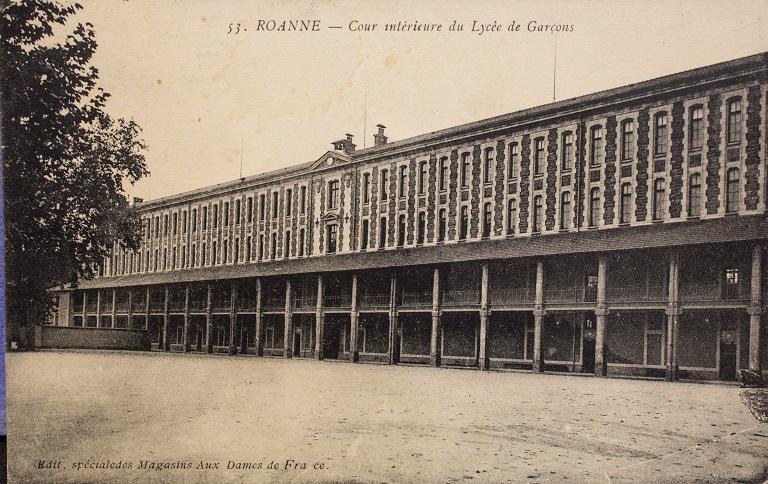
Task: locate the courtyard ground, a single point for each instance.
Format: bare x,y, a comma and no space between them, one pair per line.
363,423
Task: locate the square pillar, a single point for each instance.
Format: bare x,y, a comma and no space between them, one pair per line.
130,308
601,311
85,306
538,318
288,327
755,310
209,321
434,346
673,318
98,309
114,307
353,322
166,321
484,313
185,330
146,310
232,318
258,336
319,319
392,351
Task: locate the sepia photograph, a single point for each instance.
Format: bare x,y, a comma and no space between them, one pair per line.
384,241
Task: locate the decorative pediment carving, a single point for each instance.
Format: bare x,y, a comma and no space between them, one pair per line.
331,159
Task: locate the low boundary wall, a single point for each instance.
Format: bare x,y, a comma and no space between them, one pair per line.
91,338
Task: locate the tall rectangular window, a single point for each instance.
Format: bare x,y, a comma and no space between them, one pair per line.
421,228
514,161
627,139
333,194
300,242
442,225
694,195
567,151
733,127
287,244
215,215
565,211
538,213
464,223
275,204
273,246
165,225
466,164
303,200
659,198
732,191
184,222
382,232
625,213
538,157
366,187
696,128
511,216
660,134
596,145
332,232
443,181
288,202
403,181
488,165
594,207
364,235
384,184
249,210
401,230
487,220
226,214
237,211
262,203
205,218
175,222
422,177
248,248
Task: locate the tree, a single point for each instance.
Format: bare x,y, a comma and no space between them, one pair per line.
65,160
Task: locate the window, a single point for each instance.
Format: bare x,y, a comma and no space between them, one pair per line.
734,120
422,177
226,214
511,216
538,157
384,184
175,222
732,282
694,195
625,213
732,191
464,223
273,246
594,207
301,242
275,202
262,203
157,258
514,161
443,185
205,218
183,257
225,255
382,232
401,230
565,211
215,254
487,220
465,170
248,248
538,213
249,210
333,194
173,259
184,222
288,202
165,225
659,197
488,166
287,244
567,154
364,236
596,145
696,128
442,225
204,255
366,187
421,228
660,134
627,139
237,211
261,246
303,200
215,215
403,181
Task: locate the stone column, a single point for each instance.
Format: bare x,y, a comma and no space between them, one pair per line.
166,320
353,322
98,309
146,310
209,320
85,307
114,307
434,347
319,319
755,310
130,308
392,319
484,313
258,336
185,330
673,317
232,317
538,318
288,327
601,320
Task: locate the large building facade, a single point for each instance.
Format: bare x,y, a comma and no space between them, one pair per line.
618,233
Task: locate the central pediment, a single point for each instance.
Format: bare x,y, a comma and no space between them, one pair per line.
330,159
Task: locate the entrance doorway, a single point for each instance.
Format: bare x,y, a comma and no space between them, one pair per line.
727,355
332,341
297,344
588,349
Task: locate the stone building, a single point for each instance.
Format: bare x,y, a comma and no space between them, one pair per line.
619,233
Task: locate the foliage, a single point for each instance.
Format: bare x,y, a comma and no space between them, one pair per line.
65,160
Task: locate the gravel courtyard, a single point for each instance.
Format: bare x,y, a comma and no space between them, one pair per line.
362,423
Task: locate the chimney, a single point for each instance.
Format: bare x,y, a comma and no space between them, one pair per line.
379,138
137,200
345,145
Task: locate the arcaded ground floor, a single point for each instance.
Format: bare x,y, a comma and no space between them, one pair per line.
364,423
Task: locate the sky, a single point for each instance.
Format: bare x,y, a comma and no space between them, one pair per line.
207,99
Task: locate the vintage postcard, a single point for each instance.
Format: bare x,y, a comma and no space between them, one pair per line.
385,241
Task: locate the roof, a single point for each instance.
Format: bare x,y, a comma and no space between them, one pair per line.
754,64
712,231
